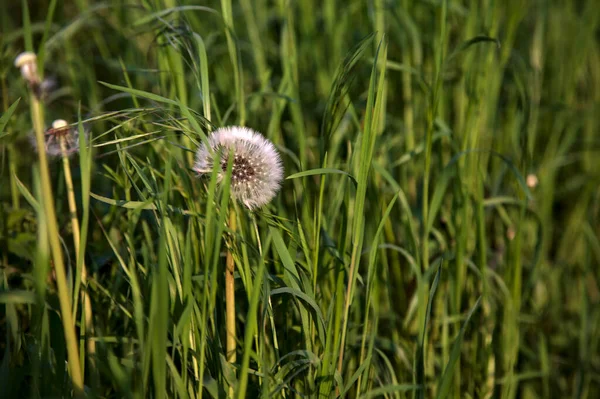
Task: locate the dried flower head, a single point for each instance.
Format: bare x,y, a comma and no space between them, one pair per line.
60,132
257,170
27,62
532,180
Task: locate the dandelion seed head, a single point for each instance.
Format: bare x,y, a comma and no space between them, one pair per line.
59,124
60,131
27,63
532,180
257,169
511,233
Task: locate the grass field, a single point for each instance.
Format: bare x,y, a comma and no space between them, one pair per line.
436,235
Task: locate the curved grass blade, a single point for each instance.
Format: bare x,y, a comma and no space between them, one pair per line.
6,116
321,171
420,356
446,380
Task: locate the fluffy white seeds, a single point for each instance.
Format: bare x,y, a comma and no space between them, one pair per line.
532,180
60,131
257,169
59,124
27,63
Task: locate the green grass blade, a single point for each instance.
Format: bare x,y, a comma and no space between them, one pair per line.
445,381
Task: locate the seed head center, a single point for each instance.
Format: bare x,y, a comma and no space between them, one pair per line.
243,169
58,132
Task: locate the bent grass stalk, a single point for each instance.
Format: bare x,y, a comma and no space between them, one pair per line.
367,147
85,298
230,296
59,265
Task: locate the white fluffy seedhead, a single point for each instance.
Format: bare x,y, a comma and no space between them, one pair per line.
27,63
59,124
60,131
257,169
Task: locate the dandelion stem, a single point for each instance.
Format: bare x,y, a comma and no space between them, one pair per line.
59,266
85,298
230,296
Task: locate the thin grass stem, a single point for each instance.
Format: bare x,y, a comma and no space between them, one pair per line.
85,298
57,255
230,296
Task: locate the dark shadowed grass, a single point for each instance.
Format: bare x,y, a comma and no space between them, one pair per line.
436,236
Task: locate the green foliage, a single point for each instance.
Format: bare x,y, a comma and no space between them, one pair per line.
437,234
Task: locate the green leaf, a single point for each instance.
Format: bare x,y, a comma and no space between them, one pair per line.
17,296
307,299
23,245
27,194
163,13
446,380
6,116
321,171
141,93
140,205
477,39
335,108
420,366
293,280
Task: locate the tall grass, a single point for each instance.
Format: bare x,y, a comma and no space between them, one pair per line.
437,234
